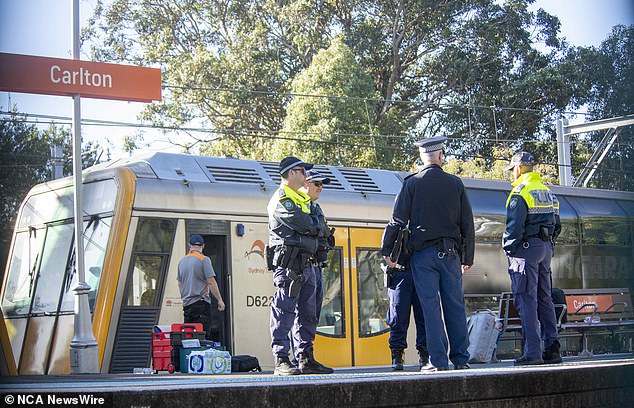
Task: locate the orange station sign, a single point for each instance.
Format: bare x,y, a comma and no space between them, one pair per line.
67,77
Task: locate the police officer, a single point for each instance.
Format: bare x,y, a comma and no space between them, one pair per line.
315,182
532,223
435,206
293,236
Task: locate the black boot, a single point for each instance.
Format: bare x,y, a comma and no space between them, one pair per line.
423,359
552,355
283,366
308,364
397,360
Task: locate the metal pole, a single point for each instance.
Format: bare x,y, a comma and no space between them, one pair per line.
83,347
563,153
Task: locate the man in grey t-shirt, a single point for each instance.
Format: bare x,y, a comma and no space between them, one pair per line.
196,278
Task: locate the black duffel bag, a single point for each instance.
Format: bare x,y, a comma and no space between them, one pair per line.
244,363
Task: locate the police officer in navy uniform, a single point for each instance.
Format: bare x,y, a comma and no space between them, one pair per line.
293,237
532,223
403,299
313,188
436,208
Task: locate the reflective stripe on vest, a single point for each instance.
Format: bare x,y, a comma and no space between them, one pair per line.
537,196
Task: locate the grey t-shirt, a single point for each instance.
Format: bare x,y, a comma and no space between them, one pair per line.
193,272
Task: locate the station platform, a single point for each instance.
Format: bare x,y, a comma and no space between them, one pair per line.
601,381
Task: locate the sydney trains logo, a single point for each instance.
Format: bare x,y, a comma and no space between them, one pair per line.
256,248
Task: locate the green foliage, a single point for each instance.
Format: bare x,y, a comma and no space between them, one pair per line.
612,96
333,119
489,74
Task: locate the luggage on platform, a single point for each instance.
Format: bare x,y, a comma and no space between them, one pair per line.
245,363
485,329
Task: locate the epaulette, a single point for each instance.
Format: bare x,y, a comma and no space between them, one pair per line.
410,175
518,188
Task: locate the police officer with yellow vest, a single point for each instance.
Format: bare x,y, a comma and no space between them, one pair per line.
532,223
293,240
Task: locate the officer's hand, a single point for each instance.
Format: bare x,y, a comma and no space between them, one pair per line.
221,305
390,262
465,268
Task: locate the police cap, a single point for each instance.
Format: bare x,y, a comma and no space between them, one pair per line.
314,175
289,162
521,159
430,144
196,240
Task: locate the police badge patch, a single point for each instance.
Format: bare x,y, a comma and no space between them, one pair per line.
513,202
288,204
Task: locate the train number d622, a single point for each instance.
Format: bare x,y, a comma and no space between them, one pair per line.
259,301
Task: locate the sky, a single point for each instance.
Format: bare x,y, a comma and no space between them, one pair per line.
43,27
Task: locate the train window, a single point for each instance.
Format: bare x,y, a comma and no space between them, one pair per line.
331,319
47,207
489,228
96,232
569,232
54,258
373,300
145,278
154,235
16,300
604,231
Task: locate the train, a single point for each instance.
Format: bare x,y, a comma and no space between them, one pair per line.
139,212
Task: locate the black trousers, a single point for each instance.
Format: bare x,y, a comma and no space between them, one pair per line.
199,312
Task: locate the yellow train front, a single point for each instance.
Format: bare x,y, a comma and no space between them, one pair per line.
138,213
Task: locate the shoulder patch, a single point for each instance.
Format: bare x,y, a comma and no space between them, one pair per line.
518,188
513,202
287,203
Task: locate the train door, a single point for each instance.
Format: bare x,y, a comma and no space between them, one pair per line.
352,329
216,250
369,299
143,293
333,343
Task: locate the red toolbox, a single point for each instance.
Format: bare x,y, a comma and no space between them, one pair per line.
161,350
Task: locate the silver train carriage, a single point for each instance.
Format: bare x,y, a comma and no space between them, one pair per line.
139,211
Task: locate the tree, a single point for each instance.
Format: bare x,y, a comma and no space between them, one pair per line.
467,69
334,118
612,96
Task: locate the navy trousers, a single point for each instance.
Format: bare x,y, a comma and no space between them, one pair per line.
299,311
319,298
438,278
531,282
403,298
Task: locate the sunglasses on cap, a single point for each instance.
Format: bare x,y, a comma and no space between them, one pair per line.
317,183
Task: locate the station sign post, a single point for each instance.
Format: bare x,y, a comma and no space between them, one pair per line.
76,78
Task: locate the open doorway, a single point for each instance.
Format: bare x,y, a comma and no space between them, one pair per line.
216,250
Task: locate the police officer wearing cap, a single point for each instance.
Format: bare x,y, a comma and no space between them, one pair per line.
293,239
435,207
532,223
313,188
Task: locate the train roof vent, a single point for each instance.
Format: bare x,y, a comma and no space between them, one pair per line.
234,175
273,170
335,184
360,180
